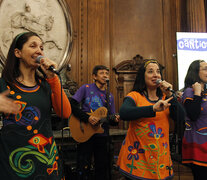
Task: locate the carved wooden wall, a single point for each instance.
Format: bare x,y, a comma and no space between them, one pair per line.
110,31
125,74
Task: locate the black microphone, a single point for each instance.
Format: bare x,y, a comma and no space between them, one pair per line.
107,80
51,68
158,81
205,88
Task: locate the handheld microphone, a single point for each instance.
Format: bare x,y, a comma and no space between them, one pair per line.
205,88
158,81
107,80
51,68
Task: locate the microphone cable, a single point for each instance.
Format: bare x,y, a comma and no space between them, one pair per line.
62,124
61,120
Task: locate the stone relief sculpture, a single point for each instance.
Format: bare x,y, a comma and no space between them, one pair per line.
49,18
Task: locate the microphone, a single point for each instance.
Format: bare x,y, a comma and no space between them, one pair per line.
69,67
158,81
205,88
51,68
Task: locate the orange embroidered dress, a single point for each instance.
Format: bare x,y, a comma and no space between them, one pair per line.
145,151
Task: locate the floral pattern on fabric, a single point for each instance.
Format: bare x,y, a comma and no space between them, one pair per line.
145,151
133,154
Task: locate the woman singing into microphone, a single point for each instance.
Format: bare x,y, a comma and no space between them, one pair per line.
27,146
194,99
145,152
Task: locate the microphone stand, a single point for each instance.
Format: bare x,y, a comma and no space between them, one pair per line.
178,133
62,136
108,136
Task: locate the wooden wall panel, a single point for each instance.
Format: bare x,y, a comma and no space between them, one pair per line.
196,15
137,28
91,37
110,31
98,34
74,8
78,61
144,27
168,58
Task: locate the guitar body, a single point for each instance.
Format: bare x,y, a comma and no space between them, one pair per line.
81,131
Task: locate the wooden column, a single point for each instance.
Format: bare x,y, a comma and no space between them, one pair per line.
196,15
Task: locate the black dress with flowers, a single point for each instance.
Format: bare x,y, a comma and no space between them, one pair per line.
27,146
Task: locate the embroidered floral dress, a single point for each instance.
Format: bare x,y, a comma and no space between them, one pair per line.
145,151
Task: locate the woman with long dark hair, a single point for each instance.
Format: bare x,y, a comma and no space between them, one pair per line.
194,98
27,146
145,152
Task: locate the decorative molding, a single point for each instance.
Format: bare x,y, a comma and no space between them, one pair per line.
129,66
81,38
70,85
126,71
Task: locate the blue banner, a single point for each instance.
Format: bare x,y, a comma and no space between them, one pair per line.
192,44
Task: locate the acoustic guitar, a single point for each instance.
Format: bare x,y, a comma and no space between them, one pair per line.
81,131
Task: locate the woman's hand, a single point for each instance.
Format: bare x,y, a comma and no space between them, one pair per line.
8,105
197,88
161,105
165,88
45,64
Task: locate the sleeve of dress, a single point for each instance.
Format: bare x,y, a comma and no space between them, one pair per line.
129,110
177,111
56,98
193,107
192,104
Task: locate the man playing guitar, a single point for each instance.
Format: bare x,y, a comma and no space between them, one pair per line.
88,99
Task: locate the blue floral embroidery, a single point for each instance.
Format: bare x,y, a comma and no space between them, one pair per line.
134,151
157,134
133,154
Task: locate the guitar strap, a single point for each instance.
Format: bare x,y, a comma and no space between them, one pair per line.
81,126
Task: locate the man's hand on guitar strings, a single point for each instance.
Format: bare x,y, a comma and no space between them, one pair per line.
94,120
117,118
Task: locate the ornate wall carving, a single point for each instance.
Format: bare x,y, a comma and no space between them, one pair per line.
49,18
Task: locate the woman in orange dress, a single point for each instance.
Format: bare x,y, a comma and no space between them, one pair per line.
145,152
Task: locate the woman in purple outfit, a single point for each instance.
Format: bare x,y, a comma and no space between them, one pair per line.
194,98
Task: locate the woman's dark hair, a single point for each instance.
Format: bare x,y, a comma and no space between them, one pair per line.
193,73
139,84
11,69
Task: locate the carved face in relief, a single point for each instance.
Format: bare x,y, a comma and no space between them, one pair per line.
55,29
